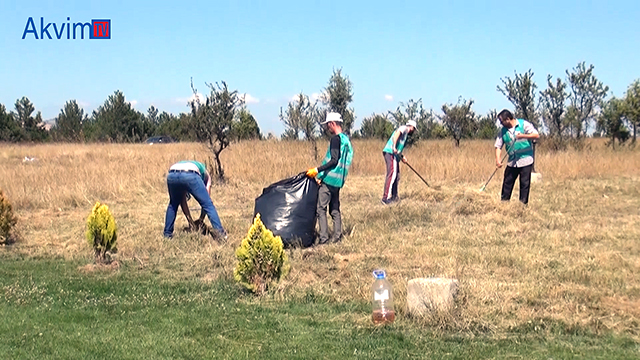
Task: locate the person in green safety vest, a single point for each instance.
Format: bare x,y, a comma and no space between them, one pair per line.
331,176
392,152
517,134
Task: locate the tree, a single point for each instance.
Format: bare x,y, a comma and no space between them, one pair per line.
178,127
116,120
152,115
302,117
632,107
611,121
585,96
459,119
291,120
413,110
150,122
69,123
32,126
487,128
521,92
337,96
213,120
9,128
245,127
552,103
376,126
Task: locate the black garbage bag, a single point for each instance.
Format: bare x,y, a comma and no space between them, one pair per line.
288,209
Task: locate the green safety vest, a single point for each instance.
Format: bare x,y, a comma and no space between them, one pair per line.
201,168
399,145
336,176
517,149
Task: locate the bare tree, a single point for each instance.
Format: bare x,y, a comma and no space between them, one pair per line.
338,96
213,120
521,92
632,107
459,119
413,110
585,96
303,117
611,121
552,103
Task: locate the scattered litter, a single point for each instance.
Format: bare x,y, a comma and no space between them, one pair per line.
28,159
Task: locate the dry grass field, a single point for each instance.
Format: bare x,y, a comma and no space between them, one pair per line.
572,256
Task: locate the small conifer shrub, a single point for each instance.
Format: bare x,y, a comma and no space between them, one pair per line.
262,260
7,219
102,232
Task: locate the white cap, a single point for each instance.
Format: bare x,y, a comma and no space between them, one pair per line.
332,116
412,123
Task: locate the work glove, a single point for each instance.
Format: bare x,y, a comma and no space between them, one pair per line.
312,172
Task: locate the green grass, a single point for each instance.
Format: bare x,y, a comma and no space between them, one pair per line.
50,309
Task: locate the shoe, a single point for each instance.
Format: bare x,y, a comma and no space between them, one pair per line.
386,202
395,199
219,235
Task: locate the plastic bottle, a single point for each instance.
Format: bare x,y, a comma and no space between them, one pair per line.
382,296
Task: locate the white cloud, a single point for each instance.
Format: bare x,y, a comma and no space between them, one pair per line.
313,97
250,99
388,97
182,100
318,96
133,102
200,97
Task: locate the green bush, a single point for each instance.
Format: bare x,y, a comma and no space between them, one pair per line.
262,260
102,232
7,219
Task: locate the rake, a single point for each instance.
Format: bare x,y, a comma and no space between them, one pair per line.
494,172
414,170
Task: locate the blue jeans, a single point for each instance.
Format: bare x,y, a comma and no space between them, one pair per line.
181,183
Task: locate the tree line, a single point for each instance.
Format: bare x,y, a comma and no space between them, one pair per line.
114,121
566,111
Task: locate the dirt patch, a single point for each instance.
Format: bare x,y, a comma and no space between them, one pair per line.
343,260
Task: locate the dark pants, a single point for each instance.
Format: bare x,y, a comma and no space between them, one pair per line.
393,177
181,183
510,175
329,195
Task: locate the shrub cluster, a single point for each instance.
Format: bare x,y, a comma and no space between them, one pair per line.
102,232
7,219
262,260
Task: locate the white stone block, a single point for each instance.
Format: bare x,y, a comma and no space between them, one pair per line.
536,177
425,295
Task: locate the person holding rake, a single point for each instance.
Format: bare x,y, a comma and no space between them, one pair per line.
517,134
392,152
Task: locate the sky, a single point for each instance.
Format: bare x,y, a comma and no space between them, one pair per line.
436,51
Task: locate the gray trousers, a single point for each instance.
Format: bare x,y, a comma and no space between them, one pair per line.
329,195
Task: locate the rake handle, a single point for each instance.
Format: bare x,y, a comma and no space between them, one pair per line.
414,170
493,173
